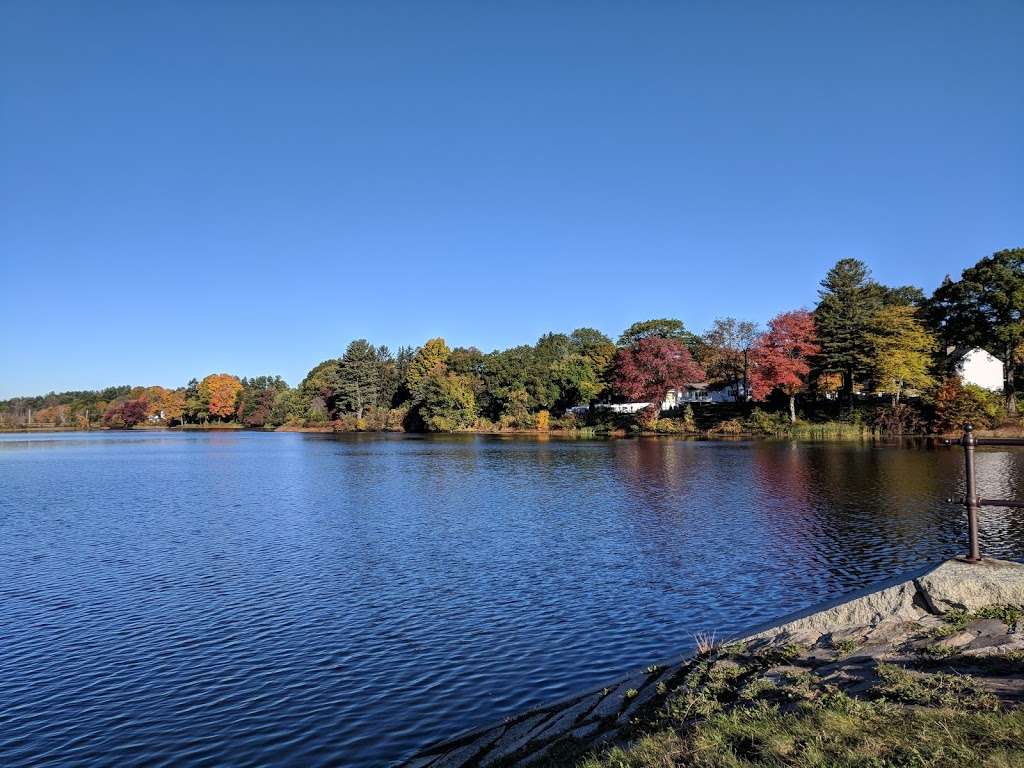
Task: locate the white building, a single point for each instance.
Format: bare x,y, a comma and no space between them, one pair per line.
675,398
704,393
978,367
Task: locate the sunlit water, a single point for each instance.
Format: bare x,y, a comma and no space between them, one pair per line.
282,599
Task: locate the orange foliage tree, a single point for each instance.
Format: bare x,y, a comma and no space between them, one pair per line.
220,392
172,403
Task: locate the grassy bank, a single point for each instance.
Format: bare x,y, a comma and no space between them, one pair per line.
937,693
831,732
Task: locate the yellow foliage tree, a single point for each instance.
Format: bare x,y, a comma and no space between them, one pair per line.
172,403
543,420
901,351
430,359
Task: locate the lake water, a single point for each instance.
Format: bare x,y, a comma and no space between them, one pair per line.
240,599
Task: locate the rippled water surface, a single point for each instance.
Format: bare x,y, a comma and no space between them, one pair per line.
286,599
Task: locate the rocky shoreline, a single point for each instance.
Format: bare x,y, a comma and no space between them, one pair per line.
952,633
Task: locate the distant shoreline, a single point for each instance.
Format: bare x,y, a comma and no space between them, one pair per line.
585,433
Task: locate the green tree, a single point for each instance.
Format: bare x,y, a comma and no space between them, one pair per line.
446,402
257,398
504,373
550,353
985,308
663,328
902,351
848,301
320,389
363,378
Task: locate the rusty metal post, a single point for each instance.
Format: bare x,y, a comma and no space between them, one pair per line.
971,493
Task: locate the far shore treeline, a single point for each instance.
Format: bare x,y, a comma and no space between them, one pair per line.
867,357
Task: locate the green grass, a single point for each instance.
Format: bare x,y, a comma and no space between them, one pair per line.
846,647
833,732
932,690
958,619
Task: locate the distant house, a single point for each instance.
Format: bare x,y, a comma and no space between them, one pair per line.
582,410
701,392
977,366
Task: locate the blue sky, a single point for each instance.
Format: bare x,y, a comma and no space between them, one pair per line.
194,187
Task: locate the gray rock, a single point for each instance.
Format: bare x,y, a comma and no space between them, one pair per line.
782,675
515,738
611,704
647,693
584,731
987,633
564,721
458,757
957,584
892,604
959,640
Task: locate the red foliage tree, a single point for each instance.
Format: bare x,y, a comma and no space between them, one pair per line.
652,366
782,356
127,413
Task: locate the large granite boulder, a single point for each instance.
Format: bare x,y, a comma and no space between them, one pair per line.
959,585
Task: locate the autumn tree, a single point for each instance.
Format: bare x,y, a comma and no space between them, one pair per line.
957,403
901,351
429,359
726,351
127,413
648,368
172,405
781,357
985,308
220,392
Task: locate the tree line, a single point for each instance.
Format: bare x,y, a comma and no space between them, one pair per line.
861,340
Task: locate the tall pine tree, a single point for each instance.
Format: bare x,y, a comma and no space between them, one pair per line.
848,300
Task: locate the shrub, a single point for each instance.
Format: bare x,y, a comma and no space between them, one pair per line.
543,420
768,423
728,427
899,419
957,403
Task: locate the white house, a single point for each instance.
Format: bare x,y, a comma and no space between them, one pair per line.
976,366
704,393
675,398
581,410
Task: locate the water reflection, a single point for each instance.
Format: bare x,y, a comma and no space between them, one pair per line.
245,598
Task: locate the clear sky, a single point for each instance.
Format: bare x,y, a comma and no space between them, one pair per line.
193,187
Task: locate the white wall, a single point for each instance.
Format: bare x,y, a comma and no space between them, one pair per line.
980,368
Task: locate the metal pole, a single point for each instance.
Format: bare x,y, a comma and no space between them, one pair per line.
971,493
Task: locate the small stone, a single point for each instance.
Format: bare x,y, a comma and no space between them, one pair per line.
782,675
959,640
